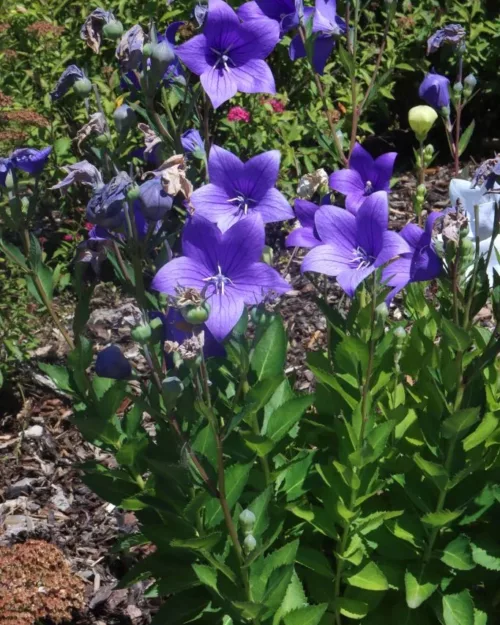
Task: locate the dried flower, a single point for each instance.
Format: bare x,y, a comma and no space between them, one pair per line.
4,28
96,125
173,176
9,54
192,347
44,29
188,297
5,100
25,117
13,136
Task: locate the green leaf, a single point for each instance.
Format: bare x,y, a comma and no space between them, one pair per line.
261,445
458,554
483,431
458,338
353,608
13,253
347,61
458,609
269,355
259,507
295,598
248,609
486,553
417,590
59,375
286,416
207,575
370,577
44,275
310,615
440,519
281,557
433,471
236,479
314,560
459,422
466,137
62,146
182,608
201,542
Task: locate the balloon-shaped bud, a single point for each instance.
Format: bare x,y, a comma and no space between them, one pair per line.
422,119
142,333
124,118
196,315
249,544
162,55
247,521
82,87
113,30
172,387
111,363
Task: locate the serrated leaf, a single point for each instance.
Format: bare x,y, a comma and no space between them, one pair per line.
310,615
459,422
459,339
295,598
269,355
315,560
458,554
486,553
484,430
373,521
370,577
352,608
249,610
433,471
236,478
201,542
458,609
281,557
286,416
207,575
417,590
259,507
440,519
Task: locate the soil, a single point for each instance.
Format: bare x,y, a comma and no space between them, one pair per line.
41,494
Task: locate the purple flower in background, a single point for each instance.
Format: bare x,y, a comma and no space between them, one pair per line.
155,201
354,246
365,176
225,267
174,69
286,13
229,56
111,363
193,143
306,235
5,168
29,160
451,33
238,189
67,79
420,264
200,13
83,172
327,26
435,90
129,49
106,206
94,249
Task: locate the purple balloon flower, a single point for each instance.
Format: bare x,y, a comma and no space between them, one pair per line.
106,206
354,246
421,264
30,160
5,168
306,235
155,201
111,363
225,267
435,90
94,249
451,33
365,176
229,56
238,189
286,13
67,79
193,143
327,26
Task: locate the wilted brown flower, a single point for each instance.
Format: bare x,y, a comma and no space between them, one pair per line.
4,28
5,100
37,583
187,30
188,297
173,176
9,54
44,29
13,136
25,117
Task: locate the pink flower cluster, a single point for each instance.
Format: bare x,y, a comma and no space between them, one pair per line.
238,114
276,105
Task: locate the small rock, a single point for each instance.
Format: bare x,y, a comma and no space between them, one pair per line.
59,500
22,487
15,524
35,431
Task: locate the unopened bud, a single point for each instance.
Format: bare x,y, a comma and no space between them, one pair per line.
195,315
162,54
421,119
113,30
470,82
445,111
381,312
82,87
249,544
421,191
172,387
147,49
124,118
102,140
458,87
141,333
400,334
247,521
428,155
133,192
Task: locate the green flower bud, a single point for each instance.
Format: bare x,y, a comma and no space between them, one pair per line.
162,54
82,87
141,333
428,155
124,118
102,140
249,544
133,193
421,119
445,111
381,312
421,192
247,521
147,49
113,30
458,87
9,181
470,82
400,334
267,255
172,387
467,252
195,315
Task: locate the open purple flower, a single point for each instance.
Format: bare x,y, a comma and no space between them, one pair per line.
229,56
29,160
67,79
354,246
365,176
286,13
193,143
238,189
420,264
83,172
111,363
5,168
225,267
453,34
306,235
435,90
327,26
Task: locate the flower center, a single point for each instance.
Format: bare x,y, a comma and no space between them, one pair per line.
361,259
368,188
219,281
223,59
242,203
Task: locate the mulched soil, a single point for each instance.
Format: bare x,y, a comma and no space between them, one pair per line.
41,494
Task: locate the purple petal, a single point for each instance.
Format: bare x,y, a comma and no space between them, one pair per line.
362,162
326,259
305,212
241,245
193,54
201,241
250,11
219,85
260,174
350,279
297,49
302,237
347,181
171,32
426,265
322,49
256,40
274,207
225,312
397,273
224,168
219,11
384,166
431,220
338,227
182,271
254,282
325,14
392,246
372,220
412,234
212,202
353,202
254,76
